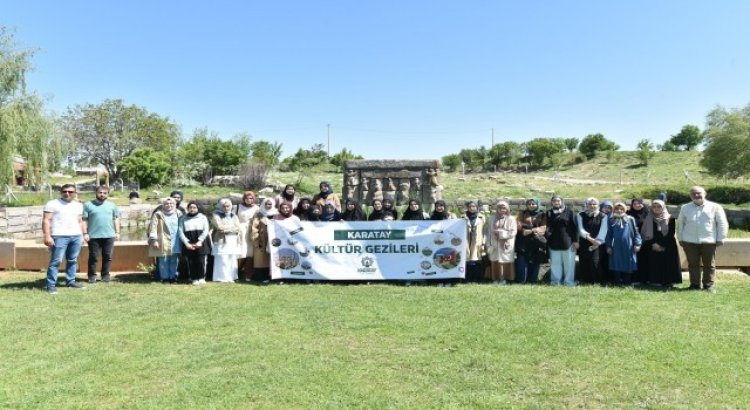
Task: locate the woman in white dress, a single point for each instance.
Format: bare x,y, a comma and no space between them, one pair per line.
225,237
245,212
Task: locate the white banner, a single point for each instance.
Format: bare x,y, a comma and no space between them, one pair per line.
377,250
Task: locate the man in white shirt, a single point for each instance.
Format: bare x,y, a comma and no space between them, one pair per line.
62,225
702,227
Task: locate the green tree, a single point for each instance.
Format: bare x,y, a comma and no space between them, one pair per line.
541,149
306,158
689,137
668,146
268,153
451,163
645,151
593,143
205,153
147,167
24,129
109,132
727,134
505,154
340,158
571,144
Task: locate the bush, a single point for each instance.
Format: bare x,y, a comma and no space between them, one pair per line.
677,196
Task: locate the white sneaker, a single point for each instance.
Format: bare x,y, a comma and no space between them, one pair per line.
196,282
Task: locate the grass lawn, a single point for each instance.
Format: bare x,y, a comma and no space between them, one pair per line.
137,344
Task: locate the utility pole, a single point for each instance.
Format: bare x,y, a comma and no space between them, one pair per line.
328,126
493,138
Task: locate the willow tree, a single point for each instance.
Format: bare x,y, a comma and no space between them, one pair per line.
24,130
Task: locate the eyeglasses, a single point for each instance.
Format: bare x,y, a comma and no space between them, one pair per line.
68,192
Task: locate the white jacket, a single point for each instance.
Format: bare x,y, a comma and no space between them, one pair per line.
702,224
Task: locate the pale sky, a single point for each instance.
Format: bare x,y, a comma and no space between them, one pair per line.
396,79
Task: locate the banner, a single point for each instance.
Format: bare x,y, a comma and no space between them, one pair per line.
376,250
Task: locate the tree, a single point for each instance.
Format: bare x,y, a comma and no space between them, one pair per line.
668,146
451,163
727,132
689,137
109,132
306,158
344,155
505,154
540,149
24,130
147,167
593,143
268,153
645,151
571,144
206,154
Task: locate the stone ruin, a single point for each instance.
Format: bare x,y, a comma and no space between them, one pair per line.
399,180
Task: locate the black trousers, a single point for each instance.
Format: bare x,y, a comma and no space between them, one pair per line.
105,247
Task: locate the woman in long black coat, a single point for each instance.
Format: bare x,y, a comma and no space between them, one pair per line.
659,250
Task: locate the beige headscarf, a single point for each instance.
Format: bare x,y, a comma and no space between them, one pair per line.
662,221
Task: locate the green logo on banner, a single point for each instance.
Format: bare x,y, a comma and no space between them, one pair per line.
369,234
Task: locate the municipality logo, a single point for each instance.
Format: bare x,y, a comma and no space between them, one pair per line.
367,262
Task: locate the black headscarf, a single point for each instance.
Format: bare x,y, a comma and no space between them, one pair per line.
328,191
284,195
311,216
300,211
639,216
439,216
376,215
410,215
353,215
388,206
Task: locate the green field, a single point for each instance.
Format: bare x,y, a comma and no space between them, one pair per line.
137,344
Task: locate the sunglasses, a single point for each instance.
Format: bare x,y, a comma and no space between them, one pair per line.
68,192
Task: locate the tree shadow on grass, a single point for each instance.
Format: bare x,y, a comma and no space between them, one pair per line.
635,166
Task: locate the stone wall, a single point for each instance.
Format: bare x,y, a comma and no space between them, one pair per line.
400,181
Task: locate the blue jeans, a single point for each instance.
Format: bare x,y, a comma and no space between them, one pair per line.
168,267
562,263
70,246
526,271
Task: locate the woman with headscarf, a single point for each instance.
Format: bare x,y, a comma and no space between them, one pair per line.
353,212
245,212
562,242
441,212
225,240
660,246
285,212
499,242
475,238
326,194
638,210
592,229
623,242
163,240
388,206
259,236
413,212
303,209
531,245
605,208
329,213
377,213
194,230
314,212
288,194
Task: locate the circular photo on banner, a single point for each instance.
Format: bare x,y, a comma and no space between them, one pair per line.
446,258
287,259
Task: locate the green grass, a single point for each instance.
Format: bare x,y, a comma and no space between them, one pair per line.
136,344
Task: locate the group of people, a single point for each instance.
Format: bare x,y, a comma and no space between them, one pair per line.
614,243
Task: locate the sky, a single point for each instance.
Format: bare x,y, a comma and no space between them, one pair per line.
395,79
